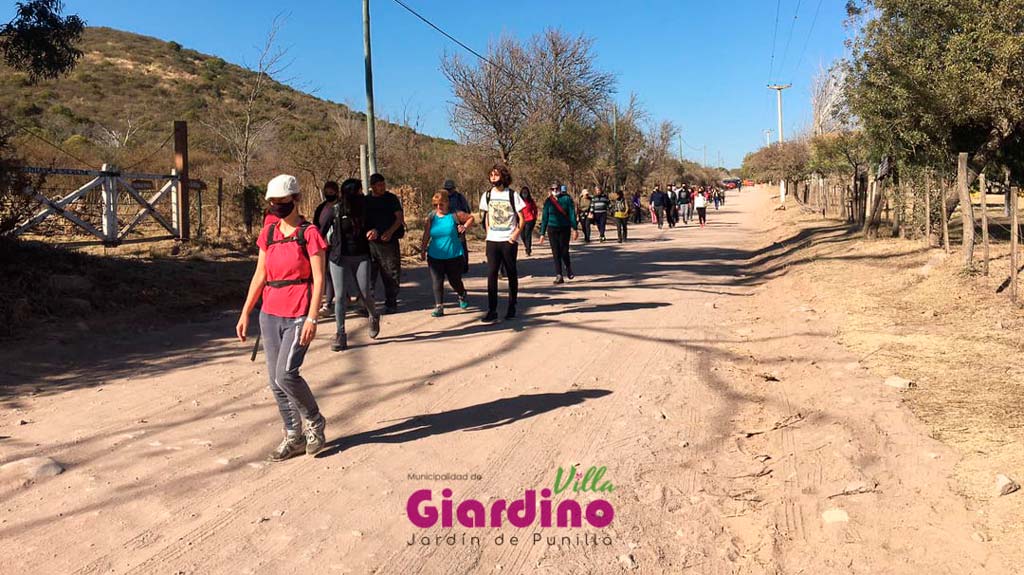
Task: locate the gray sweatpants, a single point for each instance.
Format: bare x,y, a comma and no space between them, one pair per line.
352,269
284,358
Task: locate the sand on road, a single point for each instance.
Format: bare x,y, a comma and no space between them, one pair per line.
738,436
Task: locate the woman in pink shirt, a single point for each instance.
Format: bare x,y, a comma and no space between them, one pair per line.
289,277
529,218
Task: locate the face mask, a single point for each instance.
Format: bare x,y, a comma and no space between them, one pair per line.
282,210
331,197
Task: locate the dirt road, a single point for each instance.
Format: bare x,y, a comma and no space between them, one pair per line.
739,437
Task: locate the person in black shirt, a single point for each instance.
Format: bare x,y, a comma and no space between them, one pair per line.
348,258
321,218
385,225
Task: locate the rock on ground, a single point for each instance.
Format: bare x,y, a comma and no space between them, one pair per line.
899,382
1005,485
32,468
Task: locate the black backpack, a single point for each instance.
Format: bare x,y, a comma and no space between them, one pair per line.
299,238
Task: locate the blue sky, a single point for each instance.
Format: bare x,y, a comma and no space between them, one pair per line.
703,65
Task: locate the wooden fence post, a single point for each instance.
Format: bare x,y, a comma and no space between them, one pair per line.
109,200
199,213
982,185
966,210
181,165
175,211
1014,243
945,220
928,209
220,202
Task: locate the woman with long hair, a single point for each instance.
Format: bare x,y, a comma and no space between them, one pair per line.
349,259
529,218
442,249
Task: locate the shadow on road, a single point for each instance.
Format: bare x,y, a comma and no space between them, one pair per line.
472,418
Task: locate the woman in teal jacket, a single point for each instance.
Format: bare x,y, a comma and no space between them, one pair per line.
559,221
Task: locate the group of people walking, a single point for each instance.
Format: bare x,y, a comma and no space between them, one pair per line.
680,203
353,240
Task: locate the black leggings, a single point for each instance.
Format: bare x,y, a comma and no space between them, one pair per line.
559,238
601,219
702,213
528,235
439,270
621,225
502,255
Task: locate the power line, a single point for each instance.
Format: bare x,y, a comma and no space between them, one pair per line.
807,40
54,146
450,37
789,39
483,58
775,37
691,147
150,155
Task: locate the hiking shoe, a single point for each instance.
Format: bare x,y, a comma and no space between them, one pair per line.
572,276
491,316
511,313
374,326
315,436
438,312
340,342
463,302
292,445
391,308
559,280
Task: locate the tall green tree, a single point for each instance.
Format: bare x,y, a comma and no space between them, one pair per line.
40,41
931,79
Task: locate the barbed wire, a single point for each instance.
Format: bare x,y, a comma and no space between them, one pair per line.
52,145
151,154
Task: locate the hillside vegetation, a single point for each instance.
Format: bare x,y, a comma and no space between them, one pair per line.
118,105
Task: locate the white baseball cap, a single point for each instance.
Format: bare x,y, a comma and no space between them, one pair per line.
282,186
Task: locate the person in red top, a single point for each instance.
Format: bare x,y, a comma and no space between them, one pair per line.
290,277
529,219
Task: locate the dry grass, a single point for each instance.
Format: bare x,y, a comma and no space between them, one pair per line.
911,311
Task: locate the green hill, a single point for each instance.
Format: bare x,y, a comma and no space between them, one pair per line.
118,105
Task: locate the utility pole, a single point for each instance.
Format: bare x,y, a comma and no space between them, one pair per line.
371,136
778,91
680,148
615,148
719,165
705,155
767,138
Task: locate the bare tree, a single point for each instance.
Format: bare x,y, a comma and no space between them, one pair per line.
492,105
657,142
245,133
119,136
829,112
572,89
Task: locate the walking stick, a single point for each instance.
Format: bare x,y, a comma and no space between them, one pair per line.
255,347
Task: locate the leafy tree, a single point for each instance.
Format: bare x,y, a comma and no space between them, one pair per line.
931,79
39,41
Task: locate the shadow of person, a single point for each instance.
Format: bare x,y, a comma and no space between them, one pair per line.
472,418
